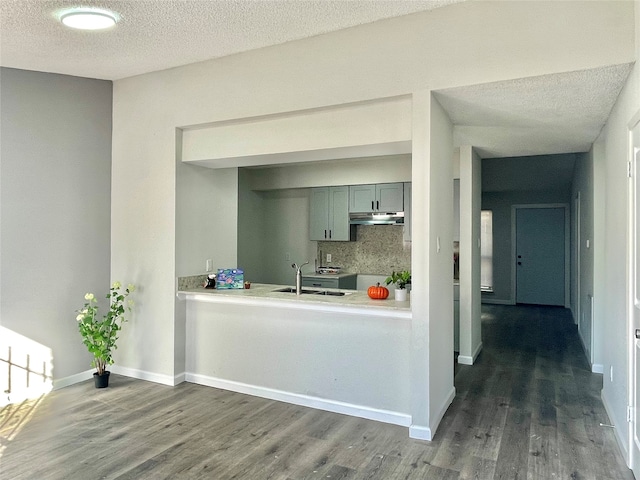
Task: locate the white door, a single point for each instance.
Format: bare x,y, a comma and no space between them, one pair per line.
635,297
540,256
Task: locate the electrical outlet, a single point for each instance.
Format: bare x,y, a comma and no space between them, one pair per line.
287,256
328,258
209,265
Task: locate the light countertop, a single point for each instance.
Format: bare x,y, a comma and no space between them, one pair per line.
355,301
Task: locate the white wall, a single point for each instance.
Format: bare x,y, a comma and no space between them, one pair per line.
204,199
55,201
382,126
440,206
443,48
286,233
599,265
470,300
251,227
582,190
383,169
359,361
613,289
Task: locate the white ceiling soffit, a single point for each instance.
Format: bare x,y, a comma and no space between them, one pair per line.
548,114
154,35
540,172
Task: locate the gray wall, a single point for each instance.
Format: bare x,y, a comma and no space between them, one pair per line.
582,265
55,194
500,204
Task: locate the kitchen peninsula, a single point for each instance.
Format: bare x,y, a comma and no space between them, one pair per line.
347,354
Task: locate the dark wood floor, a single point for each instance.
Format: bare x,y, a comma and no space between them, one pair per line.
528,409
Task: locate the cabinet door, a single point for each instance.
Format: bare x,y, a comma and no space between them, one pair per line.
389,197
406,234
320,282
319,214
339,228
362,198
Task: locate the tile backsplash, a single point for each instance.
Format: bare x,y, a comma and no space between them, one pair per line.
378,250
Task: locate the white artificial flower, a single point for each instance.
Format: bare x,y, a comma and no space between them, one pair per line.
89,296
79,317
131,287
117,284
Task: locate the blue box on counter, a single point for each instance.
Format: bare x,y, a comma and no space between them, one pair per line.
229,278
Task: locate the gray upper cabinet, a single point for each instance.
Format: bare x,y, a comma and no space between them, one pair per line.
329,214
406,234
383,197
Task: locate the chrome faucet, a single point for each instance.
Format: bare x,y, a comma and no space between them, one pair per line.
298,276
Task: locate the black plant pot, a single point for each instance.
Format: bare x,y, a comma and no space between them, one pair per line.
101,381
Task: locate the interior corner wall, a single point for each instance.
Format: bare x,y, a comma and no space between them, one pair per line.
204,199
440,218
54,204
252,250
613,289
582,191
598,153
286,234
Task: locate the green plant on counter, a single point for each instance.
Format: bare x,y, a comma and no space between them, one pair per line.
399,278
100,335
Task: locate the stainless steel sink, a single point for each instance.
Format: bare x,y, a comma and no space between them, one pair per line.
293,290
310,292
333,294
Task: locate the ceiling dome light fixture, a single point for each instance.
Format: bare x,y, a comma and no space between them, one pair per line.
88,19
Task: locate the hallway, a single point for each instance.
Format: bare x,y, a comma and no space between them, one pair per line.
530,407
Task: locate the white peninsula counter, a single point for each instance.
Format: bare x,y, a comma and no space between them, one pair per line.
348,354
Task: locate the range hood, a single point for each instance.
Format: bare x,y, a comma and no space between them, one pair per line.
377,218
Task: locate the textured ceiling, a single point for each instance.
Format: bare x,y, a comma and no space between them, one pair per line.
558,113
155,35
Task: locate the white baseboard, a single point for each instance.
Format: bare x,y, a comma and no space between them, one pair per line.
465,360
127,372
620,439
335,406
420,432
148,376
72,379
470,360
496,301
597,368
435,421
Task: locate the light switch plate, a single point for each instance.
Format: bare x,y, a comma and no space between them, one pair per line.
328,258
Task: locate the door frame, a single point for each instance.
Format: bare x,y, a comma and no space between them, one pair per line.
567,244
633,234
576,267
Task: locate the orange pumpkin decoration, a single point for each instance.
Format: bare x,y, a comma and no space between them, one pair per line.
377,292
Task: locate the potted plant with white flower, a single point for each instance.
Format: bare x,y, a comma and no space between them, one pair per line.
400,279
100,335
